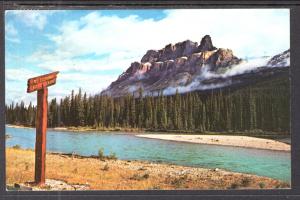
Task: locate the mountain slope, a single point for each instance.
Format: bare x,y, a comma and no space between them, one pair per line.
187,66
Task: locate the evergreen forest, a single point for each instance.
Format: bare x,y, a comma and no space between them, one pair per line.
263,106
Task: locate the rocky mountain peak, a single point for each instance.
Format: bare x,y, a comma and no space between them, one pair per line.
184,64
206,44
180,49
280,59
223,58
170,52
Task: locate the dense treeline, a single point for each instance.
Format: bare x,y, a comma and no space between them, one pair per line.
263,106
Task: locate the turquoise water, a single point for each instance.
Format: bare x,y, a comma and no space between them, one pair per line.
274,164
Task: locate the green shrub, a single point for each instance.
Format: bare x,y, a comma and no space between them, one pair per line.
112,156
156,187
106,167
16,146
246,181
261,185
26,166
75,171
177,182
234,186
146,176
139,177
283,185
101,154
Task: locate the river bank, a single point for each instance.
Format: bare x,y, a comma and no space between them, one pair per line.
98,174
256,133
85,129
280,144
237,141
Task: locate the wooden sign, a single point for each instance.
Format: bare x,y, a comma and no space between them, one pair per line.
37,83
40,85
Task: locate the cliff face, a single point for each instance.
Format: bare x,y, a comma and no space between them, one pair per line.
183,65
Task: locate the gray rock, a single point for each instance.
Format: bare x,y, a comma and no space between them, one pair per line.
150,56
173,65
206,44
280,60
223,58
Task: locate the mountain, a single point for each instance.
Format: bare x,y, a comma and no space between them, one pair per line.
187,66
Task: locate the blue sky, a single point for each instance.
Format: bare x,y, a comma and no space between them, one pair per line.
91,48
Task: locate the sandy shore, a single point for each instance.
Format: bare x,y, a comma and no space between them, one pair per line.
238,141
227,140
84,173
18,126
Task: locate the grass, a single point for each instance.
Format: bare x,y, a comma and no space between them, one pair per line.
106,167
140,177
246,181
125,175
102,156
179,181
112,156
156,187
16,146
234,186
261,185
243,183
74,170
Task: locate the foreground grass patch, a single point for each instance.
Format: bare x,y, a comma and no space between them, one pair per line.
110,174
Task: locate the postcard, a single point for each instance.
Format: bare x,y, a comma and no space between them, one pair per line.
147,99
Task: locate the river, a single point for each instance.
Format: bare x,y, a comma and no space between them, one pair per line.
274,164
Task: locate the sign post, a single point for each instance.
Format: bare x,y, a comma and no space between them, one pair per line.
41,84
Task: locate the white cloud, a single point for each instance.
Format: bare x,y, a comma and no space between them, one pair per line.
16,84
249,32
63,62
10,30
32,18
20,74
90,83
11,33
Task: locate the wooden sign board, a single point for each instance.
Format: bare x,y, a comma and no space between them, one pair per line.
38,83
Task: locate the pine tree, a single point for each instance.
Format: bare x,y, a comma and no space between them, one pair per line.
265,106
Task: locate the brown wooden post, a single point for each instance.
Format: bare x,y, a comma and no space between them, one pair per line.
41,129
40,85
